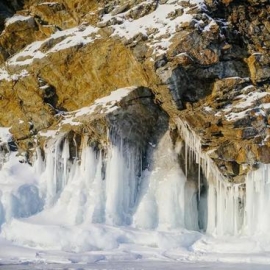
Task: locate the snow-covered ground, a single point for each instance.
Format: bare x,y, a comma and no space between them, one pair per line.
139,255
150,265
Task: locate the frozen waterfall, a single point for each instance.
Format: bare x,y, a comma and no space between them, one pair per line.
110,186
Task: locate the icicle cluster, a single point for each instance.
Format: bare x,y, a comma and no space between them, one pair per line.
193,144
225,201
109,185
225,209
97,185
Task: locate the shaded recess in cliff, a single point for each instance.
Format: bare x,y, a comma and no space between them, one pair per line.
196,82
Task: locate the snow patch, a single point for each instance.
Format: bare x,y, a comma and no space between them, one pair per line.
158,25
17,18
72,37
5,135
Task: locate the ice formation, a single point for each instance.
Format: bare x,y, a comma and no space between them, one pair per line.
84,184
161,202
109,186
257,219
232,209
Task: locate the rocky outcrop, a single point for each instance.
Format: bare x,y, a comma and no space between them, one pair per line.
206,63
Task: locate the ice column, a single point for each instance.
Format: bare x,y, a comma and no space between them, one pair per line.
161,202
50,182
257,214
121,183
65,157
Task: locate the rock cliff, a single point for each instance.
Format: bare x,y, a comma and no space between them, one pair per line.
206,62
152,115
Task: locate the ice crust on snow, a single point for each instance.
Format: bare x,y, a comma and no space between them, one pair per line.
4,75
103,105
246,103
5,135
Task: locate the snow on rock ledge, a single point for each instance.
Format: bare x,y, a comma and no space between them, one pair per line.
129,113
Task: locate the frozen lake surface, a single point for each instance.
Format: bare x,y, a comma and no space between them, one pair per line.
153,265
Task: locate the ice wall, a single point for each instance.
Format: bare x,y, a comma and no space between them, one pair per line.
112,187
77,181
108,185
97,185
241,209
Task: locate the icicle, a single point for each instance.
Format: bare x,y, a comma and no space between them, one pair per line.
65,157
98,194
267,173
199,177
76,147
219,209
186,159
38,162
235,209
212,211
190,156
114,187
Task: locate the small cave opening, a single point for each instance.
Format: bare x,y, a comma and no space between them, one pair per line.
48,93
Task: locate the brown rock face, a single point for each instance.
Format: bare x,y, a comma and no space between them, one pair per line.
259,67
73,81
17,36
